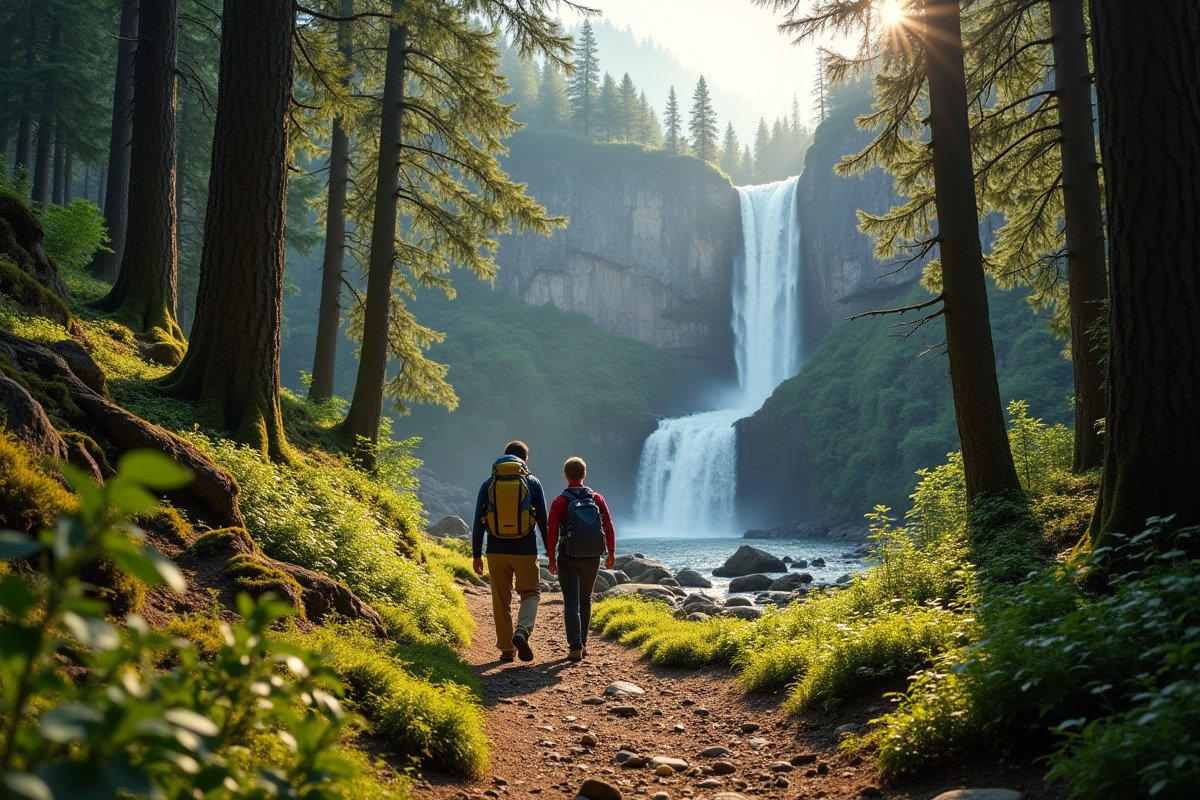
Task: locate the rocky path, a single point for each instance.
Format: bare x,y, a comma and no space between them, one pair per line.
560,729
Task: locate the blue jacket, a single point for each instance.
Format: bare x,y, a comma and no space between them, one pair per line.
524,546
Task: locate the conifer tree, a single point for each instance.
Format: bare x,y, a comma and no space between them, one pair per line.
702,125
608,118
762,146
627,97
674,122
730,154
585,84
820,92
441,127
926,55
553,102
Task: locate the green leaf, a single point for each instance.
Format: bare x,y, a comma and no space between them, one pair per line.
17,640
17,545
16,596
129,497
138,564
69,721
91,499
167,570
192,721
92,632
153,470
22,784
132,779
77,781
70,537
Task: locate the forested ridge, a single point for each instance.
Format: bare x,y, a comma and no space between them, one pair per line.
210,584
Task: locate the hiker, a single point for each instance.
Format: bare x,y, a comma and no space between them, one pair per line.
581,531
509,504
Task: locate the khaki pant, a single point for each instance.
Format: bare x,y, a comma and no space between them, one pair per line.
505,571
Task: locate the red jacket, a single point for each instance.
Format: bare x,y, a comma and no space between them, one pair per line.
558,510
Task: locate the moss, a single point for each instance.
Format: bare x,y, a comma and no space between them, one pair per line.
254,576
167,521
121,592
17,266
53,395
29,498
89,446
202,630
210,543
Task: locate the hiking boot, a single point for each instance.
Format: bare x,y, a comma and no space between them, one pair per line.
575,654
520,641
583,651
507,656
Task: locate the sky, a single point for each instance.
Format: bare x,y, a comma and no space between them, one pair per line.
733,43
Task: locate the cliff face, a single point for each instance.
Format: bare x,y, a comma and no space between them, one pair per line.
648,248
841,274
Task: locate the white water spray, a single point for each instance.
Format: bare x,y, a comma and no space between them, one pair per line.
687,479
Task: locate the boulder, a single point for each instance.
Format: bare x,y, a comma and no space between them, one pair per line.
450,528
654,574
618,576
748,560
742,612
692,578
739,600
604,580
791,582
648,589
635,567
750,583
775,598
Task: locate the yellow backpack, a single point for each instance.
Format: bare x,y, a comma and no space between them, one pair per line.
509,512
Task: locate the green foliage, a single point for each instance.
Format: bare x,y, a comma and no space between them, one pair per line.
336,519
252,575
936,713
127,727
74,234
436,724
29,498
453,557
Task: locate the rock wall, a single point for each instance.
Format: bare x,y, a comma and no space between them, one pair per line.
648,248
841,274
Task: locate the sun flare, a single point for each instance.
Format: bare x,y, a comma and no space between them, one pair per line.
892,12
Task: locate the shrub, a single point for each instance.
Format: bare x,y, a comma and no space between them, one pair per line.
29,498
129,728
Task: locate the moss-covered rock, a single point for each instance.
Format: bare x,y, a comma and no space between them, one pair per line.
29,498
253,575
121,592
27,274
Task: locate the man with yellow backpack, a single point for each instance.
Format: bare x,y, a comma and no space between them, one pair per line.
509,505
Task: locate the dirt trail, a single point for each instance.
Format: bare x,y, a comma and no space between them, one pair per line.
551,728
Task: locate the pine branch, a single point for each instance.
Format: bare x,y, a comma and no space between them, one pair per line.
938,298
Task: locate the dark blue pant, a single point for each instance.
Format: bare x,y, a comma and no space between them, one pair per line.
577,577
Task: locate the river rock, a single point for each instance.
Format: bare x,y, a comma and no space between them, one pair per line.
724,767
603,581
634,568
615,576
817,562
750,583
599,790
623,711
697,600
654,573
748,560
450,528
620,561
676,764
981,794
697,616
734,602
623,689
693,579
715,752
775,598
648,589
791,582
799,563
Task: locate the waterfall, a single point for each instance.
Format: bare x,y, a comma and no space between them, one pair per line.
687,479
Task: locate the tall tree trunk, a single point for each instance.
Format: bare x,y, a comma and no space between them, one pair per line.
329,315
100,184
68,177
987,460
59,184
144,295
24,155
1087,277
181,154
1152,186
114,198
362,419
232,365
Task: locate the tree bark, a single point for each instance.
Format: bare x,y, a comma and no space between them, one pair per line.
144,296
1148,88
362,420
987,460
59,192
24,155
1087,277
232,366
332,270
114,197
45,133
68,176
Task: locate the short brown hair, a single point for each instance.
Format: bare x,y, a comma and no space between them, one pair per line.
517,448
574,469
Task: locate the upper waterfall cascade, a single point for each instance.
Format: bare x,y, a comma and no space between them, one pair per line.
687,479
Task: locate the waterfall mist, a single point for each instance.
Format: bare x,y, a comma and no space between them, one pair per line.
687,479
